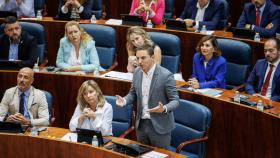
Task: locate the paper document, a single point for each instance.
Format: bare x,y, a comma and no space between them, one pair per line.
178,77
154,154
119,75
71,137
113,22
210,91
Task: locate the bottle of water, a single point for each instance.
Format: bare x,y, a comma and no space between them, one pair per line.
203,29
39,15
36,68
257,37
93,19
149,24
236,97
94,141
96,71
260,105
33,131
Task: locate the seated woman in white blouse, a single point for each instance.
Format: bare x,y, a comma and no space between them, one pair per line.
92,111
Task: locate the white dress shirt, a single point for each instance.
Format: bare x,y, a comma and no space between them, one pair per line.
73,60
200,13
102,122
146,84
268,93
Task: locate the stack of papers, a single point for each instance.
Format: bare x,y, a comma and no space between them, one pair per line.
210,92
154,154
113,22
119,75
71,137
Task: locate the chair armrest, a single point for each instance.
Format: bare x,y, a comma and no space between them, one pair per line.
182,145
238,88
115,64
131,129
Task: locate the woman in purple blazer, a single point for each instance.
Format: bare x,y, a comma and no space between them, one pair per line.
209,67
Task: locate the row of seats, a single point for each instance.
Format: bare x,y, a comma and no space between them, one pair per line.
188,137
238,54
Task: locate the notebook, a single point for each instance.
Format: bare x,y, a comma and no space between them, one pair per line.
85,136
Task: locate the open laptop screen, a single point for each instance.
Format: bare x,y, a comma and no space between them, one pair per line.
4,14
85,136
11,127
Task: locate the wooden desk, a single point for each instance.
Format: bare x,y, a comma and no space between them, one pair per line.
236,130
25,146
55,31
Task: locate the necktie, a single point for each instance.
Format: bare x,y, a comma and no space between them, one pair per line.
21,104
258,17
266,82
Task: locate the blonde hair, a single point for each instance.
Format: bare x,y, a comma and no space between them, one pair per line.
138,31
84,88
85,37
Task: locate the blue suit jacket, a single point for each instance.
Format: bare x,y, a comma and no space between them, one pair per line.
271,14
89,56
214,74
255,80
213,13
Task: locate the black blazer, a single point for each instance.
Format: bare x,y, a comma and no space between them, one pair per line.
27,49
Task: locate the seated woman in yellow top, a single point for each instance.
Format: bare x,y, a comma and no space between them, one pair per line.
137,37
77,50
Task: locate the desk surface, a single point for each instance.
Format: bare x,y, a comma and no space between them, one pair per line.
55,31
49,145
236,130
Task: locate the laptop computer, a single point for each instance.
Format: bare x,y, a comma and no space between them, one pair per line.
85,136
9,65
4,14
129,149
174,24
11,127
132,20
243,33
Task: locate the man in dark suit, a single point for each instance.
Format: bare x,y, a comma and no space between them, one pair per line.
17,45
154,88
262,16
264,80
203,12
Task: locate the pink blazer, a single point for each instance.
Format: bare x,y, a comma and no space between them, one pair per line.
158,8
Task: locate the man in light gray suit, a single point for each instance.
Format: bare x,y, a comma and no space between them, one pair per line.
23,103
154,88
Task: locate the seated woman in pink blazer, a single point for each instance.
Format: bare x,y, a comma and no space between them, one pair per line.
148,9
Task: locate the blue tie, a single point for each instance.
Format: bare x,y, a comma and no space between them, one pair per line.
21,104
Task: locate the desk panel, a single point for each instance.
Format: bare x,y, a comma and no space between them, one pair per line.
25,146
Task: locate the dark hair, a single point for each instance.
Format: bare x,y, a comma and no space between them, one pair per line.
10,20
148,48
212,39
277,41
